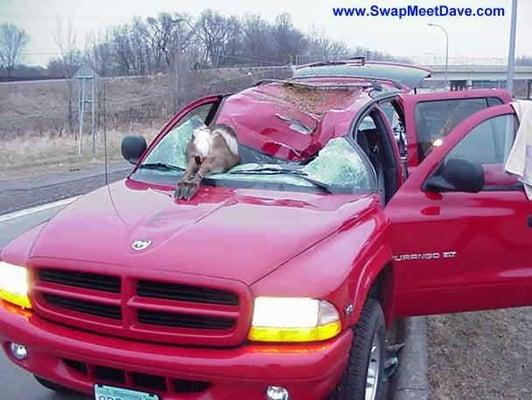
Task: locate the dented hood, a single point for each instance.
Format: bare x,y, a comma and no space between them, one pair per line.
239,234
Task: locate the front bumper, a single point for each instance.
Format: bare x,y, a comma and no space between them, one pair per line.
308,371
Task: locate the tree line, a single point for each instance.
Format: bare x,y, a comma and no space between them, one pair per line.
168,41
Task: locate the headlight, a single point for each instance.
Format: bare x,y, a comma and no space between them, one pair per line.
293,319
14,284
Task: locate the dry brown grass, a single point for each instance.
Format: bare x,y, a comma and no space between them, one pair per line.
41,107
34,123
481,355
25,153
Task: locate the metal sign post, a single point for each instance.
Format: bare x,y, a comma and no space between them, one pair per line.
86,77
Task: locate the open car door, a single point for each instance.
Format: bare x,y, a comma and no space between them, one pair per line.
461,227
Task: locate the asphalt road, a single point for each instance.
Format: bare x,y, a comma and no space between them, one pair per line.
20,193
16,384
17,193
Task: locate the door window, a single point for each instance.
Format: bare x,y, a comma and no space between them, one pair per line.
435,119
489,144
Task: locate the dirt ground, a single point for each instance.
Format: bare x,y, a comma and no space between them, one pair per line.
483,355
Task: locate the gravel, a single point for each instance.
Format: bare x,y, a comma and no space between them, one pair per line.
481,355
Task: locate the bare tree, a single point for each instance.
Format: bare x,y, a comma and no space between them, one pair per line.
321,48
70,60
13,40
65,39
217,33
161,35
257,45
100,54
288,41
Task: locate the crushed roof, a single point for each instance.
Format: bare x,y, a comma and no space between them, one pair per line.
285,118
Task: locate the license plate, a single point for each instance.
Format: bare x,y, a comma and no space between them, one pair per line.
102,392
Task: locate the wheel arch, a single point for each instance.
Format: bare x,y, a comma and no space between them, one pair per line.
375,281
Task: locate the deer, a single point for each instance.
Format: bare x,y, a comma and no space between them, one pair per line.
209,150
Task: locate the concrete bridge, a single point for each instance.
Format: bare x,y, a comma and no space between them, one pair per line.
481,76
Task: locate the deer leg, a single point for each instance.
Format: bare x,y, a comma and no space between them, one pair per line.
188,175
193,185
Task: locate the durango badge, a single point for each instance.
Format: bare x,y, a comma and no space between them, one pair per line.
140,244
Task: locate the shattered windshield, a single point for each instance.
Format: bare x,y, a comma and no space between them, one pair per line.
338,167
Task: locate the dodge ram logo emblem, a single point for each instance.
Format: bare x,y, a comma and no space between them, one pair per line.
140,244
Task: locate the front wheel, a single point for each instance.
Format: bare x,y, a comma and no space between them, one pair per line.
363,377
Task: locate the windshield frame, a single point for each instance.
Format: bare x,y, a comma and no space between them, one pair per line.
217,103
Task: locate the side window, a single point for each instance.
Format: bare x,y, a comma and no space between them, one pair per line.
435,119
494,101
488,145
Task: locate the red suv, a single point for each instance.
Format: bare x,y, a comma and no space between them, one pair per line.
357,201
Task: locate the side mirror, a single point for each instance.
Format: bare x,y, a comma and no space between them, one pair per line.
457,175
133,147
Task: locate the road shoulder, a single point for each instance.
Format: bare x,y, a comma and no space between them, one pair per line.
411,382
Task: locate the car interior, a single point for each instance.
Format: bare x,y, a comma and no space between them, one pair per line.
373,137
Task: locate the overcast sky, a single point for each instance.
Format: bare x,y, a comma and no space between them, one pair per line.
478,37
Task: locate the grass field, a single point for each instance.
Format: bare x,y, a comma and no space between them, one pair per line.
36,131
27,153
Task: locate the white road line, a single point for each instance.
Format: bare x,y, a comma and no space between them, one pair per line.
36,209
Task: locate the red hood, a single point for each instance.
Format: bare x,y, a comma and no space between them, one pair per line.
239,234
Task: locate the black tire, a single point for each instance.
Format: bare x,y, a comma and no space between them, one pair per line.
53,386
353,383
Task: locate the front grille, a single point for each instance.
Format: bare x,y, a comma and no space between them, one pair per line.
77,365
135,380
174,291
184,320
207,311
107,374
148,381
84,306
182,386
99,282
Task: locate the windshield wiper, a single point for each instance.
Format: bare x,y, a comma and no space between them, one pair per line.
284,171
160,166
270,169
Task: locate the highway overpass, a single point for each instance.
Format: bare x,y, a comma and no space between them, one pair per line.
481,76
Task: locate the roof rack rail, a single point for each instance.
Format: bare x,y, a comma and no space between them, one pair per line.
360,59
320,86
323,63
